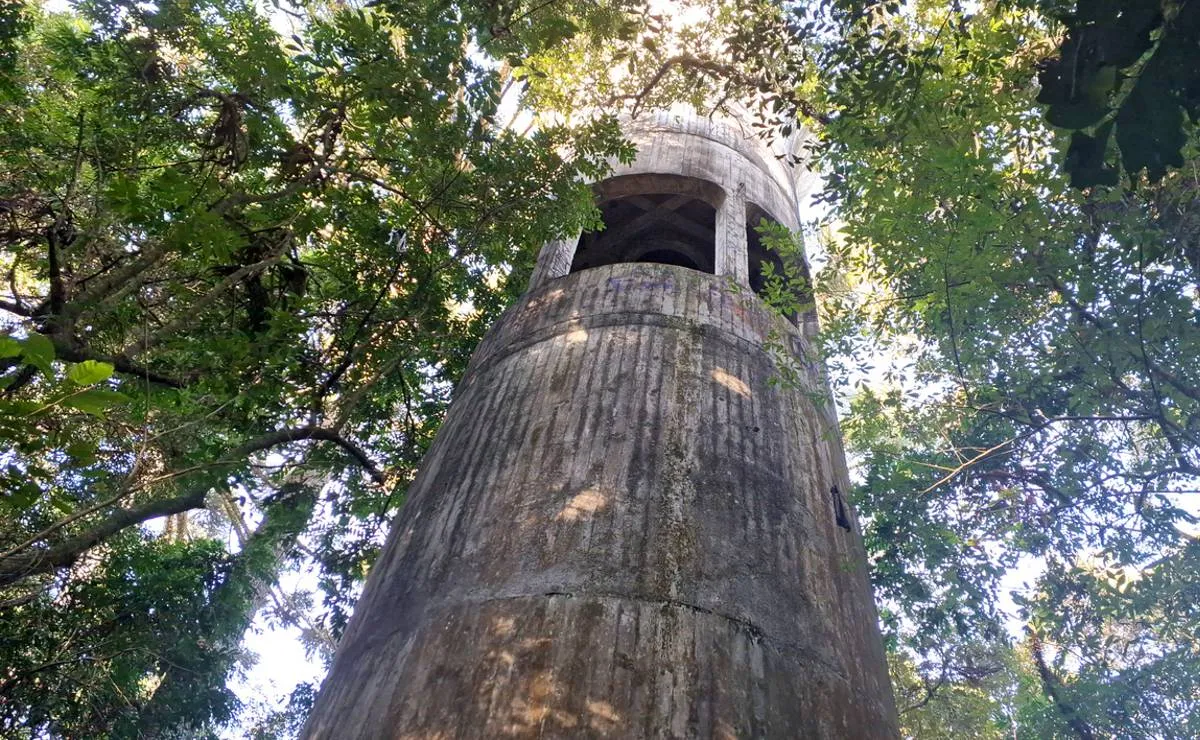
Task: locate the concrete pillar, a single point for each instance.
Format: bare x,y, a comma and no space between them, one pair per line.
732,258
554,261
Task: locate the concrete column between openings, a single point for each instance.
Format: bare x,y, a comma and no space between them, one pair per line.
732,249
554,261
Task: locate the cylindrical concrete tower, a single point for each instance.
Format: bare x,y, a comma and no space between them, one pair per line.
626,527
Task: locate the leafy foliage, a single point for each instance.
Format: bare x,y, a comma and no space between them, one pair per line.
243,266
246,255
82,661
1049,331
1127,65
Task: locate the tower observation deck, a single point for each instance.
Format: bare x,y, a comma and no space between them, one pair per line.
625,527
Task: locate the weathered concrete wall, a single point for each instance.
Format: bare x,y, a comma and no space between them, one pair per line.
623,529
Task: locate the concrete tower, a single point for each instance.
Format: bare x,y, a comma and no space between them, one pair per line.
625,528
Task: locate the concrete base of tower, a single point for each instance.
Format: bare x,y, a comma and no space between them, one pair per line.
624,529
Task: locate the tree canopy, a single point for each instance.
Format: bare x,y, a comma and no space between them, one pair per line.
1040,409
247,252
243,269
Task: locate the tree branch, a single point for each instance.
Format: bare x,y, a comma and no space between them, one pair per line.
118,279
348,358
72,351
931,689
324,434
1050,686
206,300
714,68
16,307
15,567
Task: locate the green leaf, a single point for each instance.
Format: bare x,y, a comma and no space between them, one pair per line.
83,452
1076,115
1150,126
9,347
1086,162
24,496
39,352
89,372
18,408
96,401
1077,85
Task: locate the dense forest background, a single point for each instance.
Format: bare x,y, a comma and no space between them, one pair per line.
246,250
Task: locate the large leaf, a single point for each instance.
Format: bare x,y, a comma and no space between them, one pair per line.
95,401
1086,159
38,351
1150,124
1076,86
89,372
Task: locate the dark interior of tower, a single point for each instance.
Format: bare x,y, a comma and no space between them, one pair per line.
667,229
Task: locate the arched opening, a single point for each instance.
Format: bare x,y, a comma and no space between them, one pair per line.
665,219
778,269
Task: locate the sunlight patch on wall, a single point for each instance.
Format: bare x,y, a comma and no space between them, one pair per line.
732,382
585,503
504,626
603,710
